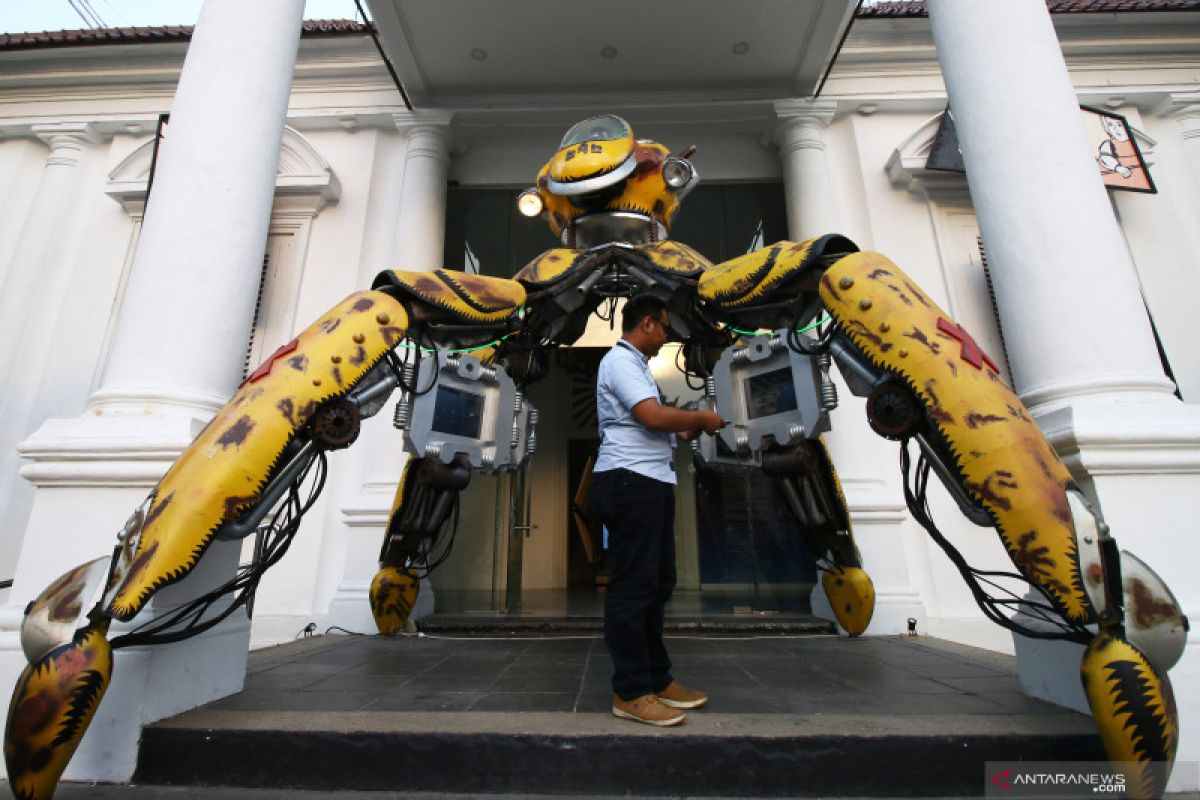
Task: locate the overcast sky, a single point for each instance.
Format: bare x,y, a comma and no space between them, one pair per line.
21,16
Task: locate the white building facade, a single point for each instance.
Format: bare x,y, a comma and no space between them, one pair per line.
126,324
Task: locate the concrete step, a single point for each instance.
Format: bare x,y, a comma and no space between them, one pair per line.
789,716
711,755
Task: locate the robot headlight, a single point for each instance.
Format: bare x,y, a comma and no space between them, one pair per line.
677,173
529,203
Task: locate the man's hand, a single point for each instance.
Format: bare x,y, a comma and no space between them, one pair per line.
710,421
687,436
653,415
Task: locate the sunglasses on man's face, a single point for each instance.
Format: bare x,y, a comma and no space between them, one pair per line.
667,329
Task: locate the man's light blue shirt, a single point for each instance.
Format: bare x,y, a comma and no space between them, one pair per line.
623,381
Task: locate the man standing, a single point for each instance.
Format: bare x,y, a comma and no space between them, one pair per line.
634,497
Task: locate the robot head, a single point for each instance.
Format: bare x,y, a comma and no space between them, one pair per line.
601,173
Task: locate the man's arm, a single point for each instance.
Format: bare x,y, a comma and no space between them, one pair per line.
654,415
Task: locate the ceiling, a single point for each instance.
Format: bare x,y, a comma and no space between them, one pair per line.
547,53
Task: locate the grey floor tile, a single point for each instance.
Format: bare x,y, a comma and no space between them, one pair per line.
424,701
525,701
295,701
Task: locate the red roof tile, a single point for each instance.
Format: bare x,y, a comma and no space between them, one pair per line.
916,8
165,33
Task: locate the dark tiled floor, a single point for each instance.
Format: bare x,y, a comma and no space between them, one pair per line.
570,674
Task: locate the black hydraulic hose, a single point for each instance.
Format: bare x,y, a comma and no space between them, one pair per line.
386,61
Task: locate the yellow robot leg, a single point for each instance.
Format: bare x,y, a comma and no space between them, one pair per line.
425,500
808,483
52,705
931,379
1135,712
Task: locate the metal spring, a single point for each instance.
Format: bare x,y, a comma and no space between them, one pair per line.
776,344
531,445
433,449
829,395
515,441
489,373
403,412
710,386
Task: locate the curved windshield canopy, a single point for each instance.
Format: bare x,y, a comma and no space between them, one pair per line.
596,129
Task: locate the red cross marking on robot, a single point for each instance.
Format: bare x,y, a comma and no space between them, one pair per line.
971,353
264,368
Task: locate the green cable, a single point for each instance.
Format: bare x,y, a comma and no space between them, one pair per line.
518,312
818,323
457,349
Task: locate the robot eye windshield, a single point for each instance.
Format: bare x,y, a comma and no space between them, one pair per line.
596,129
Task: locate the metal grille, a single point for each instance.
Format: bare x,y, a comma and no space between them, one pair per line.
987,276
256,324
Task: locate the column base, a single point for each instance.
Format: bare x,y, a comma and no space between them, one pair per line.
89,473
1140,457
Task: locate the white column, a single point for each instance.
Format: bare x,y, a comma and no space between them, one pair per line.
195,275
29,308
1061,264
419,244
862,459
421,228
34,261
1081,347
807,186
176,357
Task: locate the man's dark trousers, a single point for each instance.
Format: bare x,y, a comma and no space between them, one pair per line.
639,513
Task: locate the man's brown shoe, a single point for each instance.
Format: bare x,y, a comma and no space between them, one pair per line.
677,696
646,709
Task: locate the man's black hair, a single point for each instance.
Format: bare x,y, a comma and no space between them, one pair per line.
640,307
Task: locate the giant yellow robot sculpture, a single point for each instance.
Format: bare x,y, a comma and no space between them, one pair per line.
459,349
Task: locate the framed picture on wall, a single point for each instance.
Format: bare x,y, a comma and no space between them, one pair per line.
1116,151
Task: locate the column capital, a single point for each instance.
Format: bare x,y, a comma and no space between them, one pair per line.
429,133
66,140
801,123
1184,107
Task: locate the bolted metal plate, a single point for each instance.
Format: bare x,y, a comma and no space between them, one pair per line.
1154,621
58,612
